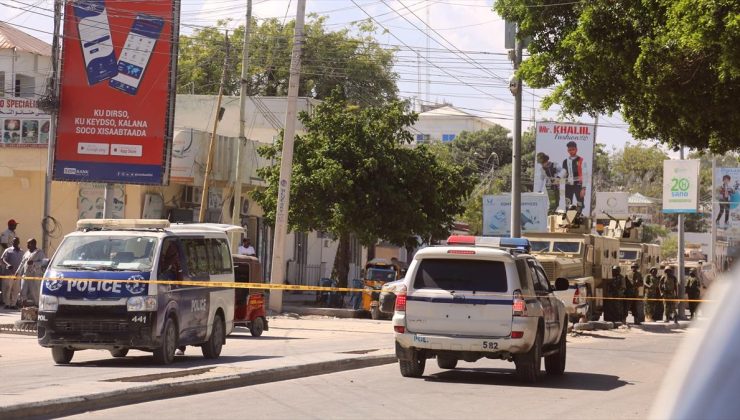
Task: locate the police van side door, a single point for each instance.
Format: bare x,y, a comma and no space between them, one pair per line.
193,301
545,296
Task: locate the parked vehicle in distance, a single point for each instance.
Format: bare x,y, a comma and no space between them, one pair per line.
378,272
249,305
480,297
96,295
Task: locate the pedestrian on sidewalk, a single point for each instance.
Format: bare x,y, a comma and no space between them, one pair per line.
668,292
30,267
693,290
9,262
653,304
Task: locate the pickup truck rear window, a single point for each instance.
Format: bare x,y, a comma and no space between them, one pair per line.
468,275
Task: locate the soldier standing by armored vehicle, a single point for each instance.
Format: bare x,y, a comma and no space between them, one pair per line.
653,307
636,304
668,291
613,304
693,290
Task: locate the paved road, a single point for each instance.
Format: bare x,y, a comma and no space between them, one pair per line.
611,374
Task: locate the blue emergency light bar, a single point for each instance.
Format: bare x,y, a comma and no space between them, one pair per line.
514,244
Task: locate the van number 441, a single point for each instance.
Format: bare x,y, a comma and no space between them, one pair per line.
490,345
139,318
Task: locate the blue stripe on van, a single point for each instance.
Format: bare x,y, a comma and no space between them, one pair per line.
466,301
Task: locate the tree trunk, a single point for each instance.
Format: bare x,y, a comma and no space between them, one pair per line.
341,262
371,252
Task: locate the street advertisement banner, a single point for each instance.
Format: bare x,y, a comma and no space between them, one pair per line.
497,214
563,164
117,91
726,202
611,203
680,186
22,123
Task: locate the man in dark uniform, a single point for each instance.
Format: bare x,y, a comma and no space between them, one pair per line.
613,306
668,291
653,305
636,305
573,167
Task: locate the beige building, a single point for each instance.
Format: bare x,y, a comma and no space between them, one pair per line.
24,69
445,122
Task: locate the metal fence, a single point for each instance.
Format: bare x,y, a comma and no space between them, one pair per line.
304,274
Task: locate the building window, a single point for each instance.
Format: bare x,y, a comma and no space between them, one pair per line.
25,86
447,138
2,84
422,138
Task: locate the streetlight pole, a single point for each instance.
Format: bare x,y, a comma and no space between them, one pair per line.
277,270
515,86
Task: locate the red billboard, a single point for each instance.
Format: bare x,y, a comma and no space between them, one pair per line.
119,62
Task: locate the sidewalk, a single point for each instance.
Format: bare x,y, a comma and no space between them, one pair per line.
292,348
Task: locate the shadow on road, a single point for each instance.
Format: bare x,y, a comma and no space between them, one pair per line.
248,336
193,360
590,334
575,380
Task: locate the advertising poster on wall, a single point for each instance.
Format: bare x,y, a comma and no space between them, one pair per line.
117,91
563,164
726,202
680,186
91,201
497,214
22,124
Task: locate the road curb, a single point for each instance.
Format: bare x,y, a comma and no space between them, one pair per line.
335,312
77,405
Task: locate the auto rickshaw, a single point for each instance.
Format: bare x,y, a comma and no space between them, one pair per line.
378,272
249,306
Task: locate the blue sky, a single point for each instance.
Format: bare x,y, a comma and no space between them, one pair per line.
466,62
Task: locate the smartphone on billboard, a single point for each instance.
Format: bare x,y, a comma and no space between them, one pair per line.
95,39
136,53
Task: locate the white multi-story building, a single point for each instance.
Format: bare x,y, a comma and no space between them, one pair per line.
444,123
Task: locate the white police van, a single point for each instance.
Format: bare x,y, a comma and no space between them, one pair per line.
91,298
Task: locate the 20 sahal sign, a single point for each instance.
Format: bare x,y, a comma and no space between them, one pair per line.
680,186
117,95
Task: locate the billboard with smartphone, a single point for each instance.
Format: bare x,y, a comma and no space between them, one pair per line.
497,214
116,114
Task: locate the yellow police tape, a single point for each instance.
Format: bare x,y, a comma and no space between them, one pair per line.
270,286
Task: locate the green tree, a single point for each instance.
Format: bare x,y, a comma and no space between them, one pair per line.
355,174
669,247
351,60
638,168
652,232
671,67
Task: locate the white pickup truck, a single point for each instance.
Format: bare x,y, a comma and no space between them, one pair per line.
479,297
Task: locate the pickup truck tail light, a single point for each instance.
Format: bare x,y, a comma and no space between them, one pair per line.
401,299
519,306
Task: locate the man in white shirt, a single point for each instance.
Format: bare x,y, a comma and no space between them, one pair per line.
246,248
6,238
31,267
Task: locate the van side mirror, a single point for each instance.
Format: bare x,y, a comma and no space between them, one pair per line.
561,284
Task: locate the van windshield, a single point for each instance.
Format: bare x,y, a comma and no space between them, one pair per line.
106,253
468,275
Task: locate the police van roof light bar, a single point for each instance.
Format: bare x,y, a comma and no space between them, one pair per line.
513,244
112,224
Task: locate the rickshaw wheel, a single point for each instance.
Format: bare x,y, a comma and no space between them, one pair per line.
257,327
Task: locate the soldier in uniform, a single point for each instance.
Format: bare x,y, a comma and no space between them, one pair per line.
668,291
614,306
653,308
693,290
636,306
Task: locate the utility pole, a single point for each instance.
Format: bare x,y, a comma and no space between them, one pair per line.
211,145
680,274
516,165
713,229
236,209
286,163
54,89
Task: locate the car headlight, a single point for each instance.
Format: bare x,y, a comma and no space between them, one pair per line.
48,303
141,304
